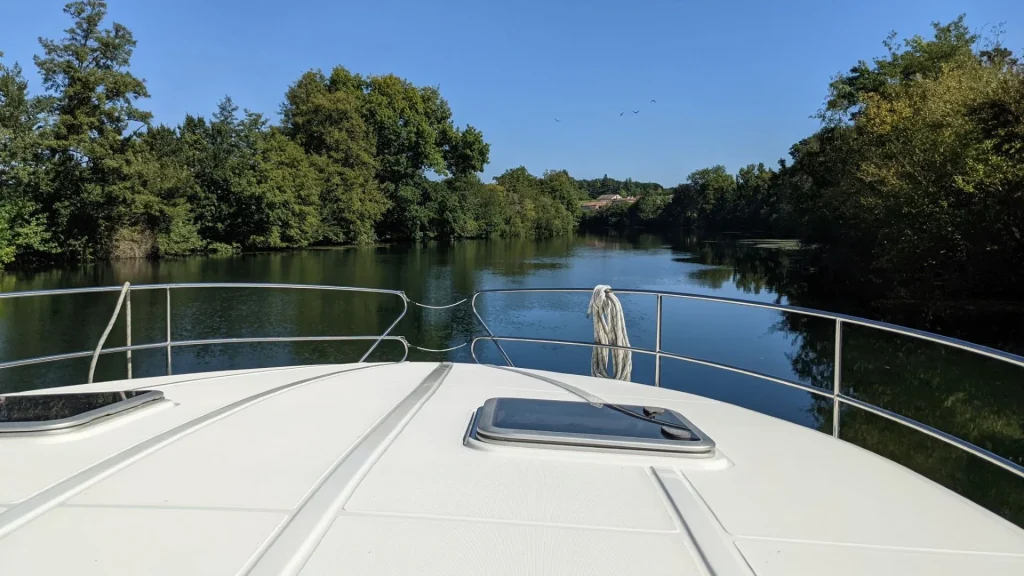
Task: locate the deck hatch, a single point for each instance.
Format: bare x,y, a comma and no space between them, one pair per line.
53,412
584,425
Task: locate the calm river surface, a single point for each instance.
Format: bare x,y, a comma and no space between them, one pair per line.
977,399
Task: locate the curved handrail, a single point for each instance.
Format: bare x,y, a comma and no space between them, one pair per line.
206,342
169,344
690,359
836,394
921,334
964,445
177,285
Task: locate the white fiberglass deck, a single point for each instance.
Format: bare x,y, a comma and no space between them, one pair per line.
365,469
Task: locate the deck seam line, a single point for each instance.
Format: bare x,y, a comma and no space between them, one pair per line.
715,548
36,505
470,520
296,540
880,546
229,509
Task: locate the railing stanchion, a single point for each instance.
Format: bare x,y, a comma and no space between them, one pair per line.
472,305
128,330
657,347
405,308
837,378
169,331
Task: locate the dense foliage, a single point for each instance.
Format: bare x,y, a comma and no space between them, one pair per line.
626,188
84,173
916,176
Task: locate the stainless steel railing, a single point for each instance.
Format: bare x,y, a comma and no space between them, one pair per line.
836,394
169,344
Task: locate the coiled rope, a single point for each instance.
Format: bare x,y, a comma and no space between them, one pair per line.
609,328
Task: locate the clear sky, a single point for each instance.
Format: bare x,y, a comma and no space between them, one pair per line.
736,81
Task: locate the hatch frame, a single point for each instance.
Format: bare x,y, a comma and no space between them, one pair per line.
62,424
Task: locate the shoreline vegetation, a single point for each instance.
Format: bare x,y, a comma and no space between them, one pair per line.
914,182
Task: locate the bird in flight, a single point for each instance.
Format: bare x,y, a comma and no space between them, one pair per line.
636,111
557,120
653,101
621,113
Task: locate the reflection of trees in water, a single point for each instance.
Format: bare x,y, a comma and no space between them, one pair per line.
454,271
972,397
432,273
744,264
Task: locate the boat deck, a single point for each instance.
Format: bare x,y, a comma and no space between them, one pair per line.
367,469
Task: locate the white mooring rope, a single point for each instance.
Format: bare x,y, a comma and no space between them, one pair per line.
609,328
110,325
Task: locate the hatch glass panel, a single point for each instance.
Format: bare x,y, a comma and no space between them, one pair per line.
580,424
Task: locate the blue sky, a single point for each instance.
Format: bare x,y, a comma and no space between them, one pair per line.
735,81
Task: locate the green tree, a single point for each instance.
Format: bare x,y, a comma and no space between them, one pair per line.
413,133
257,188
22,219
714,192
942,194
164,189
519,189
560,187
541,207
816,191
285,202
914,180
616,215
325,116
91,101
912,59
755,200
558,200
490,208
383,136
649,210
450,207
628,187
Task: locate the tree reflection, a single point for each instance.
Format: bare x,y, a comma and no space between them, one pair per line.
970,396
434,273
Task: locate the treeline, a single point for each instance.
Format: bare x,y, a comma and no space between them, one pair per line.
711,200
915,178
625,188
916,174
85,174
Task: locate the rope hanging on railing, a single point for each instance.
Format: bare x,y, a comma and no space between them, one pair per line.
609,328
438,350
429,307
106,332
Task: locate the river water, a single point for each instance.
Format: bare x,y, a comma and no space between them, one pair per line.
978,399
